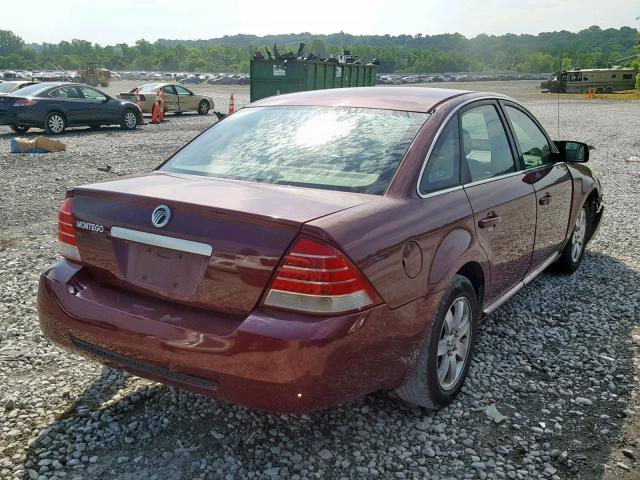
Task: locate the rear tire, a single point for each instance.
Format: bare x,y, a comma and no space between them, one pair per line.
203,107
55,123
445,355
19,129
573,252
129,120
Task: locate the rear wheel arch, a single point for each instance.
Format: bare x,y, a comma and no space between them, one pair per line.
474,272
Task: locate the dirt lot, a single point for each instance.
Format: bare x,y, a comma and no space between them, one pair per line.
559,360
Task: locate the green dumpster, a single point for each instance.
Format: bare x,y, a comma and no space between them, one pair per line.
274,77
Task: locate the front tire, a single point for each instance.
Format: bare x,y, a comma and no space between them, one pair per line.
129,120
19,129
55,123
203,107
443,363
573,252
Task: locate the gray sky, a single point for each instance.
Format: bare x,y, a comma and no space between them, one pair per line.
113,21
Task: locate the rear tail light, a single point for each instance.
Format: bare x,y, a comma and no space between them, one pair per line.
67,244
316,278
24,103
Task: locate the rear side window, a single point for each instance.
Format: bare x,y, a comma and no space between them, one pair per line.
443,165
485,143
65,92
332,148
533,143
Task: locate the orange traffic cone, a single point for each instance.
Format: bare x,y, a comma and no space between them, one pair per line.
155,116
232,107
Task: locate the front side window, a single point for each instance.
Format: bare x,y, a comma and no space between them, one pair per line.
485,144
91,94
443,166
169,90
332,148
533,143
182,90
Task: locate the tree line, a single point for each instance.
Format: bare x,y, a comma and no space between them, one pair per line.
589,48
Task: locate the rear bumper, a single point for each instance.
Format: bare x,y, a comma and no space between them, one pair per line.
269,360
18,117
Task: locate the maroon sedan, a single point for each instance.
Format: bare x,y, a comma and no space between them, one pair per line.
315,247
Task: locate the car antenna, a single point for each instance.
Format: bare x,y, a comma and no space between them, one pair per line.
558,94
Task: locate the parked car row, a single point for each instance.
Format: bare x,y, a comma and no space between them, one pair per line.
411,78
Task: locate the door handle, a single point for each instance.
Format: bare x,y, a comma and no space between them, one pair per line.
546,200
489,221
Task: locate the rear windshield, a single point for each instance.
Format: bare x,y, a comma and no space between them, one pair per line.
31,90
333,148
7,87
149,87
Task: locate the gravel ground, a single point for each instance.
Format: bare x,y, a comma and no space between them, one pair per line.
557,361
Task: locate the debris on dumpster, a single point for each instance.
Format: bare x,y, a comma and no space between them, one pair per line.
36,145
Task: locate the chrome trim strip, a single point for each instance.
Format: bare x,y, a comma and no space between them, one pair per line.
529,278
442,192
489,309
318,303
491,179
162,241
439,132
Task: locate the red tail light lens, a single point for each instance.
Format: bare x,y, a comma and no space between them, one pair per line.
24,103
67,243
316,278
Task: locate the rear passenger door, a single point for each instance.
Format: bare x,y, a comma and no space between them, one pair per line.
503,203
71,102
551,180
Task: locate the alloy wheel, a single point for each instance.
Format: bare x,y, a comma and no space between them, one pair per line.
579,235
130,120
56,123
204,107
454,344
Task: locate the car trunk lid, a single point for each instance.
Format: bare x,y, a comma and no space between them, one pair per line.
217,250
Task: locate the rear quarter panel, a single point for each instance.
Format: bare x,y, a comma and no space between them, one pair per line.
375,236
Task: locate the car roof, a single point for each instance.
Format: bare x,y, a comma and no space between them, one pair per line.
59,84
411,99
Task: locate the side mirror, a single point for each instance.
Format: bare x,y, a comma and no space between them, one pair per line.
107,99
576,152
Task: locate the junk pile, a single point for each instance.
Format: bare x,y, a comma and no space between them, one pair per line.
344,57
36,145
